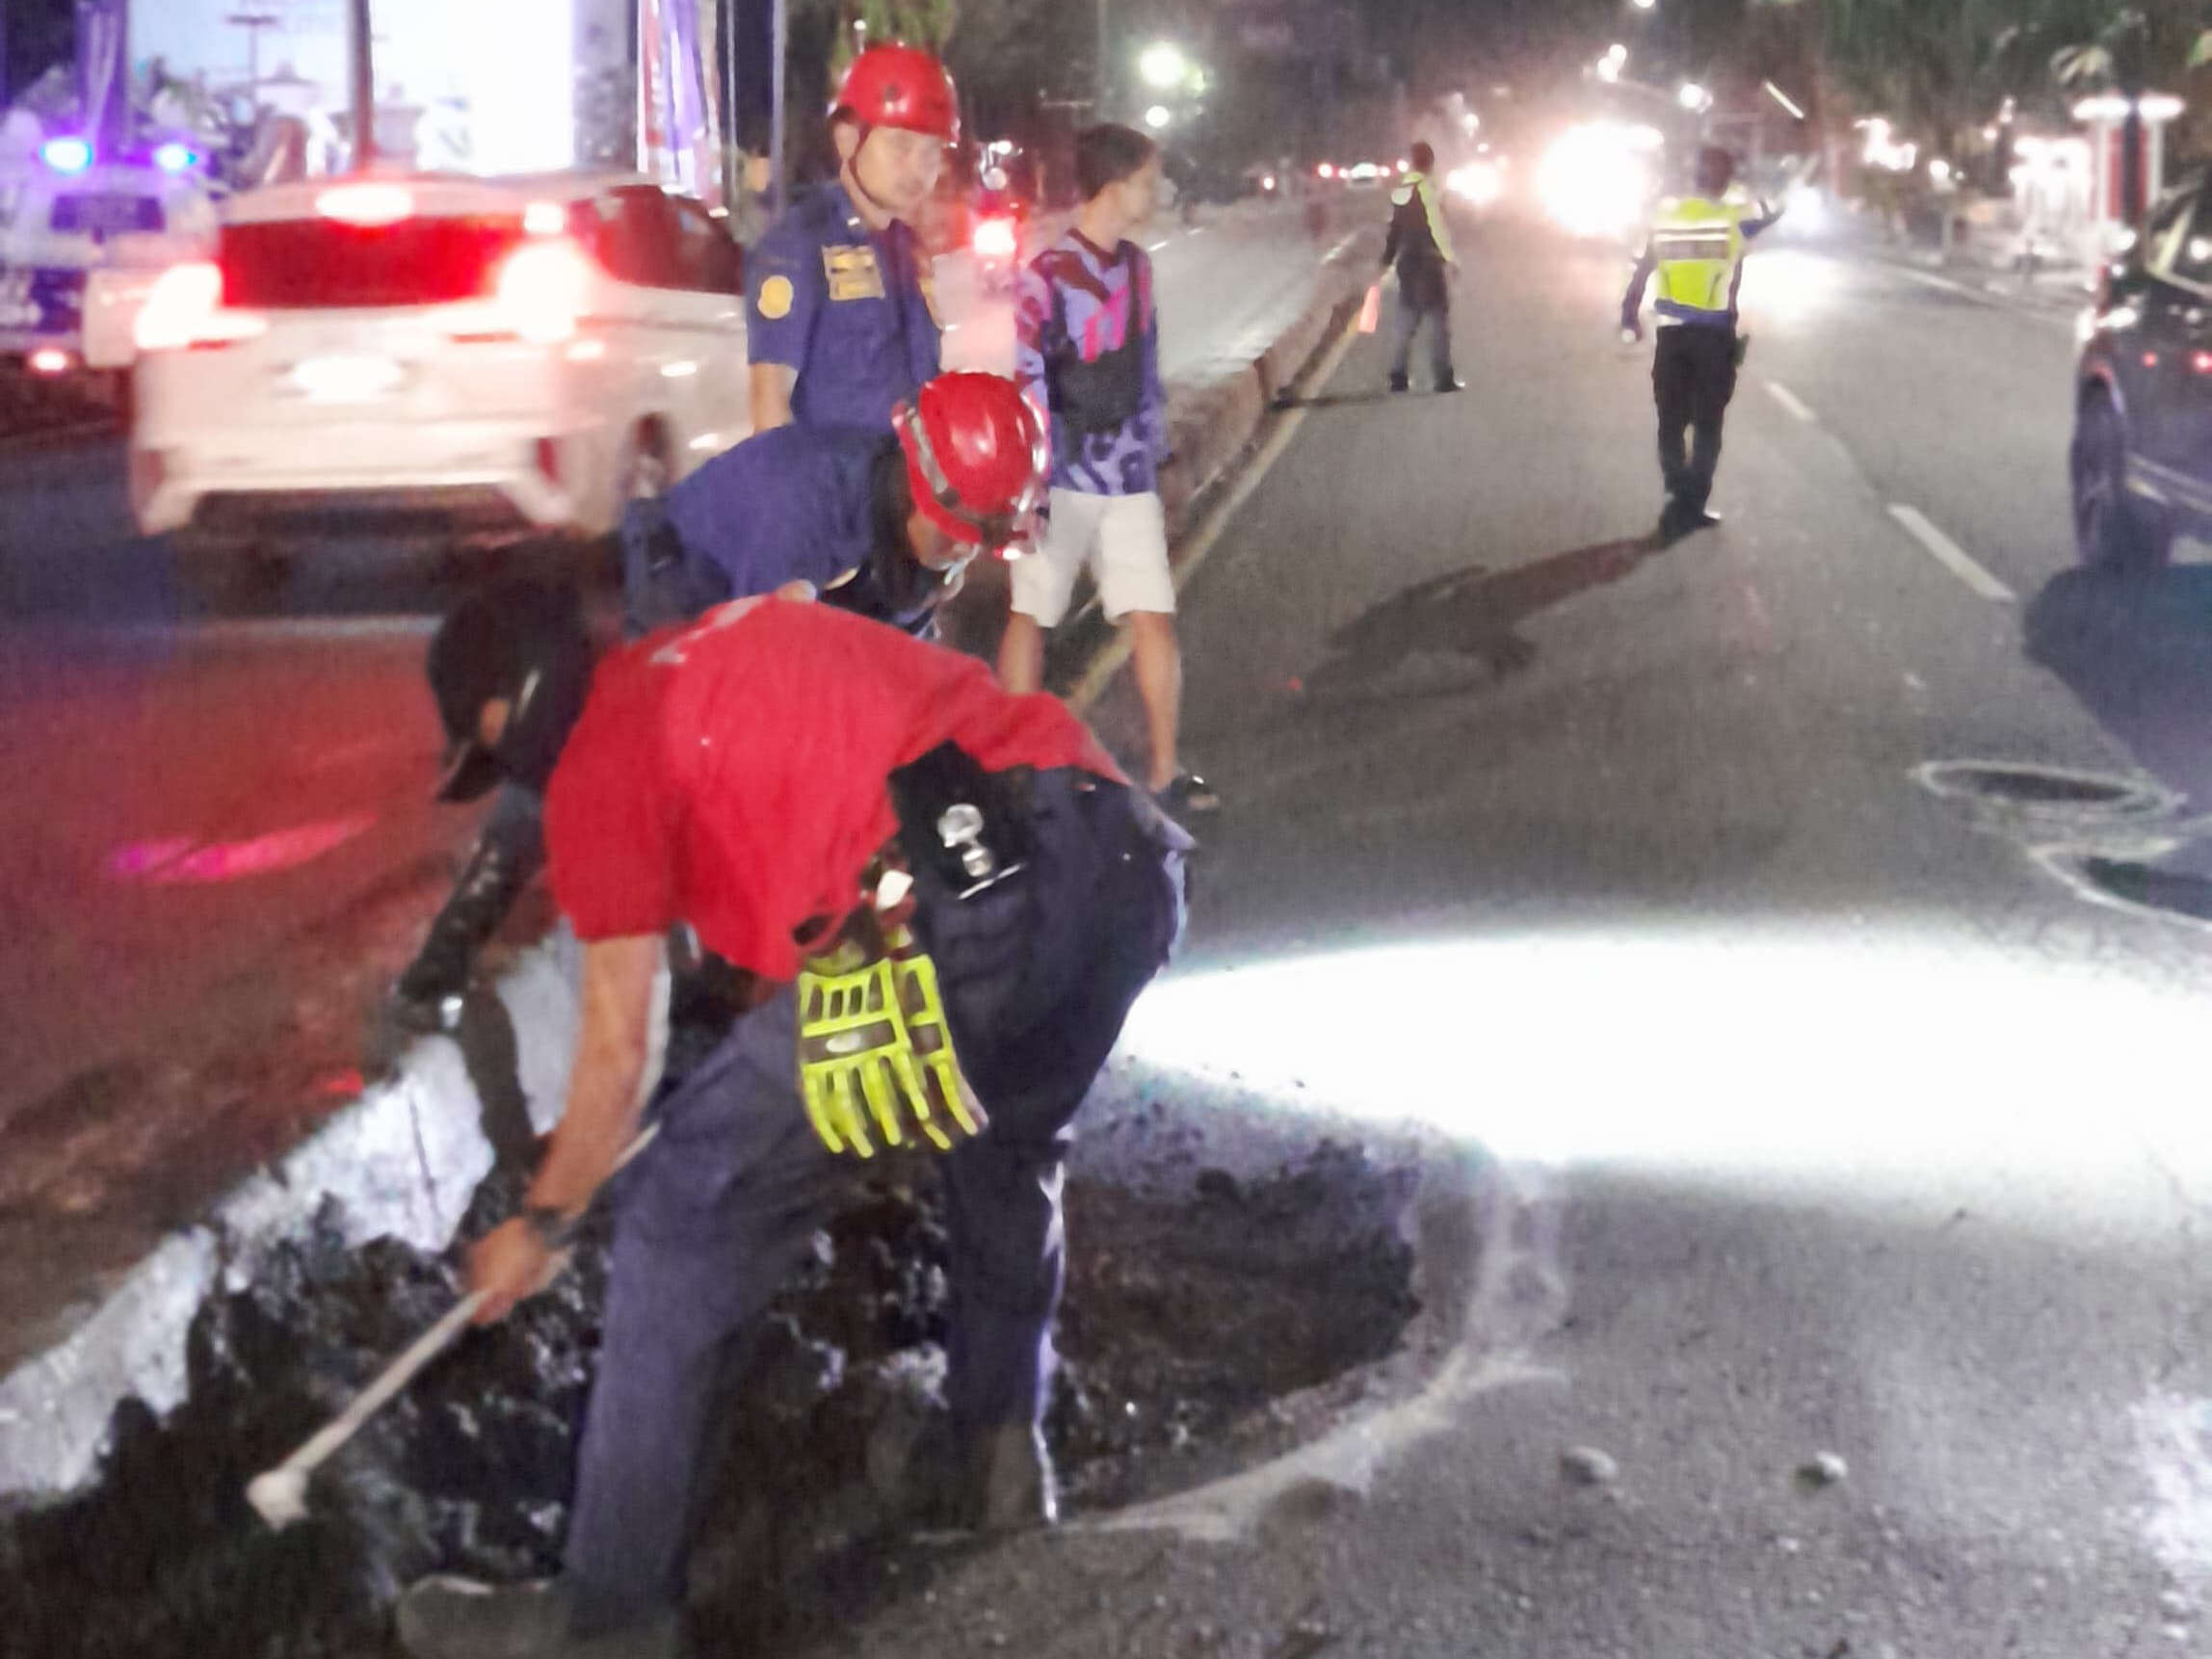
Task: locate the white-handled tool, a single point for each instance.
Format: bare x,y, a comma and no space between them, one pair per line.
279,1495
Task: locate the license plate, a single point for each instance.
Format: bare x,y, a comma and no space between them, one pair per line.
345,379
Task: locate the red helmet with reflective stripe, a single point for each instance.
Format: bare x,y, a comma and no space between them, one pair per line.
976,457
901,86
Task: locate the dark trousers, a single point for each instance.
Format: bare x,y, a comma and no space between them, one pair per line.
1039,975
1693,379
1421,302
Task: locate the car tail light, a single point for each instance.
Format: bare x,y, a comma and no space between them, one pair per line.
185,312
366,204
995,239
541,293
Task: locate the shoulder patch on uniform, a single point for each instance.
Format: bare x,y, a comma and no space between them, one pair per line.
775,298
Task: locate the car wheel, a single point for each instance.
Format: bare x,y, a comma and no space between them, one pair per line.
2113,530
227,573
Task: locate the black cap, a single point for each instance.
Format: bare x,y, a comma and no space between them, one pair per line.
470,663
507,641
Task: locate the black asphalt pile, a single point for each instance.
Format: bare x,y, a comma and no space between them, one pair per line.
1195,1301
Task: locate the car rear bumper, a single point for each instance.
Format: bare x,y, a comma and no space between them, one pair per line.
425,478
447,511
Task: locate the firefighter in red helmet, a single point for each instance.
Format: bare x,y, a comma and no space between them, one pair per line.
957,898
843,322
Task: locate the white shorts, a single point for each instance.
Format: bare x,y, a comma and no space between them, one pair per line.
1124,541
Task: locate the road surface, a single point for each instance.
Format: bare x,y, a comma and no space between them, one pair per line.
1851,1160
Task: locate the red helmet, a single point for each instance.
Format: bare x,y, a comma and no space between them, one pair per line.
901,86
976,457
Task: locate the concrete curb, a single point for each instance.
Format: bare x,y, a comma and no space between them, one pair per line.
404,1158
402,1161
1215,416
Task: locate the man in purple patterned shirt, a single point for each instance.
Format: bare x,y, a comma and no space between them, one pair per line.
1088,357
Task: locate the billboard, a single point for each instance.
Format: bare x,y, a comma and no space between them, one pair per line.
473,85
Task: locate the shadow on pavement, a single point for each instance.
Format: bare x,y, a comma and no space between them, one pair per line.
2137,651
1470,613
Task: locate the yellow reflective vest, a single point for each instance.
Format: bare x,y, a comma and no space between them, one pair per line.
1696,253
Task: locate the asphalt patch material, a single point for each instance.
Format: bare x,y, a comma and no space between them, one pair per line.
1198,1300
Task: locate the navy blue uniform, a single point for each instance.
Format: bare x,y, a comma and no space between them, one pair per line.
851,311
792,504
789,505
1039,976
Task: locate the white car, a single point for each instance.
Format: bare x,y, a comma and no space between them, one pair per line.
462,357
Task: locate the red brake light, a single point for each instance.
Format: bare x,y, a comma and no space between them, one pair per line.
366,204
995,239
186,309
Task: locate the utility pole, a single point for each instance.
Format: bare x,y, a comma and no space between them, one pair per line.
1105,74
733,144
254,22
364,87
781,47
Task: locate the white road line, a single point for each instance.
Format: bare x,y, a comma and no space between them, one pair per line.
1948,553
1984,297
1791,401
1930,279
1155,246
259,630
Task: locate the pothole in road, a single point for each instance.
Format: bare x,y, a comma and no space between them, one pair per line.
2010,793
1199,1301
2132,884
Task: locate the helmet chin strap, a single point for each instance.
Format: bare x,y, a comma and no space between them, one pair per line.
851,172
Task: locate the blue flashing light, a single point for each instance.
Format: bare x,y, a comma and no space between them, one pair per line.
173,157
66,154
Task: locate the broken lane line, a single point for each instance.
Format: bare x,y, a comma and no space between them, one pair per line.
1791,401
1949,554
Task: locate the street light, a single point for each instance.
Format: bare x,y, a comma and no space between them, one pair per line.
1157,117
1163,66
1694,98
1643,5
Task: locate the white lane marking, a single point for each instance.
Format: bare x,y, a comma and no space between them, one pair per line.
1984,297
1930,279
1948,553
1155,246
259,630
1791,401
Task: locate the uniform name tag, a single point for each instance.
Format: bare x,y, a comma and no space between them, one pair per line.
853,273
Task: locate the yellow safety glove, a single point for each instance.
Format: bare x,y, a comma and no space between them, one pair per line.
873,1042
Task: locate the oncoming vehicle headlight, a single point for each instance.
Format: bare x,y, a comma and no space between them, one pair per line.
1592,180
1478,183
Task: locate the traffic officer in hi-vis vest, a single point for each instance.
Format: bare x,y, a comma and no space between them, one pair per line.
843,320
1696,249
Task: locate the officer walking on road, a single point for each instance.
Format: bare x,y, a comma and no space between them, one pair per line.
858,515
1420,246
843,322
1696,249
962,898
